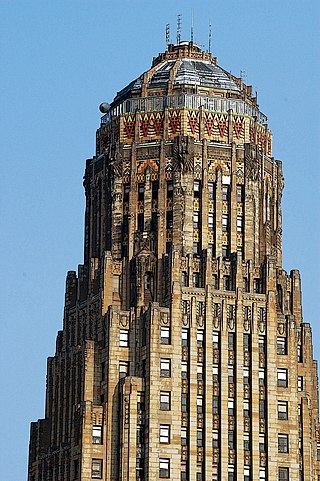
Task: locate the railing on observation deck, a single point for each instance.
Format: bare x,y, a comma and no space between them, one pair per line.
188,101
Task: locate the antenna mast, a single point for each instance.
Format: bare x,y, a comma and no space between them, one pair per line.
179,29
167,35
192,24
210,36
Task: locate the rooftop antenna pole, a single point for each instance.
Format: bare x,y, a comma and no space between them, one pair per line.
179,29
167,35
192,25
210,36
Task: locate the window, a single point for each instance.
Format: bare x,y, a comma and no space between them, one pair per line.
231,440
215,439
211,190
261,344
225,192
300,383
165,335
216,309
199,476
184,337
283,474
246,408
256,286
169,219
215,404
210,221
225,251
169,190
214,281
224,223
246,375
155,188
239,193
165,367
262,446
239,224
318,451
183,436
196,188
215,340
200,338
282,377
164,433
168,247
125,224
283,446
199,405
281,345
123,369
75,468
165,400
262,408
230,407
164,468
124,338
199,371
261,376
126,192
154,221
97,434
184,402
196,279
231,341
184,279
196,220
215,373
196,248
246,473
96,468
140,222
299,353
199,438
262,474
283,410
226,283
246,342
231,476
245,284
230,375
184,370
246,441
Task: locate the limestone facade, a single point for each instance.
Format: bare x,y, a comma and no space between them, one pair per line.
183,353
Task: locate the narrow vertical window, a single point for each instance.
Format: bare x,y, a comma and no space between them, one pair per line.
165,335
96,469
97,434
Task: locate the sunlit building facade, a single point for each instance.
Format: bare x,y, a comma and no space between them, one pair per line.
183,353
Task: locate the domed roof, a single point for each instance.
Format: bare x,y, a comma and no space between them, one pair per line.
182,66
193,72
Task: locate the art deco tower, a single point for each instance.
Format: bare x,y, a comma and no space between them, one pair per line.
183,353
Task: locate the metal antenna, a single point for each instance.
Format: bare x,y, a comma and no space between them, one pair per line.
192,25
167,35
179,29
210,36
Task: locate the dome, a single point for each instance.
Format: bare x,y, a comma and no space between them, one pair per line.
183,67
194,72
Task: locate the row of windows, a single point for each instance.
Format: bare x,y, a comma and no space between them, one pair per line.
196,190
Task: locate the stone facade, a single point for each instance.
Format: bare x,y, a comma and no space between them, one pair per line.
183,353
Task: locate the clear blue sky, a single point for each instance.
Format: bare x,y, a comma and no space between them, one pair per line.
59,61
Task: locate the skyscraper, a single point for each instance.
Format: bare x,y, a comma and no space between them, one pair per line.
183,353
